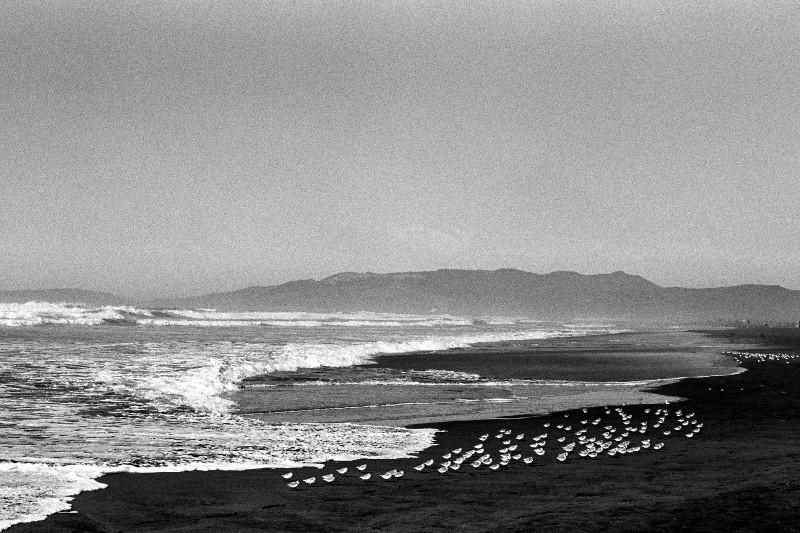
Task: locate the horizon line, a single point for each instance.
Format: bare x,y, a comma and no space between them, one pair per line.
295,280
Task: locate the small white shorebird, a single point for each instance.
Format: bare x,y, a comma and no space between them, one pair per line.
361,467
419,467
287,476
309,480
293,484
365,476
429,462
342,470
328,477
387,475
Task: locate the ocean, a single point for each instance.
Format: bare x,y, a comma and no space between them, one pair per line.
91,390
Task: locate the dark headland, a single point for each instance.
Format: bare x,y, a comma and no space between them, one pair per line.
740,473
554,296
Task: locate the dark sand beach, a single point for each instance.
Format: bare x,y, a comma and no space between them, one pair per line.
741,472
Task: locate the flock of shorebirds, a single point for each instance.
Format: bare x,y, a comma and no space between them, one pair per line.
614,433
763,357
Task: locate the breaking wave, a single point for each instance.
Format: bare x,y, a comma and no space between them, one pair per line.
30,491
40,313
198,378
43,313
79,402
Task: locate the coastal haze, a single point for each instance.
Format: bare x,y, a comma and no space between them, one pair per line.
162,149
278,265
555,296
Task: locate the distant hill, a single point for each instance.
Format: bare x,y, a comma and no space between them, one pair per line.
61,295
558,295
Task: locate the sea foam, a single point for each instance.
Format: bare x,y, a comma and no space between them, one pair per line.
198,377
80,399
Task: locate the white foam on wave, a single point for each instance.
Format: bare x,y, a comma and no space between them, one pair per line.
30,491
167,398
301,316
478,382
299,323
210,317
40,313
200,380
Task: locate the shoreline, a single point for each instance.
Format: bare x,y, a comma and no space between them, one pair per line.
487,381
742,470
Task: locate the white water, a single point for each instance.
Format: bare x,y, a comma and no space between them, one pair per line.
80,397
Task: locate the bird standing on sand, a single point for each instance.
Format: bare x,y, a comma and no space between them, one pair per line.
293,484
287,476
365,476
361,467
342,470
328,477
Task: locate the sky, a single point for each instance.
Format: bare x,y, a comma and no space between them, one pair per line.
163,148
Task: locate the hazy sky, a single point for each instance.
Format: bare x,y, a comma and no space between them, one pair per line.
156,148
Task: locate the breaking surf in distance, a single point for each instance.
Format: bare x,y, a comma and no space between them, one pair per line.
44,313
81,396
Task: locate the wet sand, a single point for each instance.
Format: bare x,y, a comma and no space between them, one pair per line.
740,473
518,378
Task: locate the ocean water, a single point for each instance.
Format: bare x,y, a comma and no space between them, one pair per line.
86,391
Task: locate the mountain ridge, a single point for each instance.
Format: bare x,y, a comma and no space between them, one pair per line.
558,295
555,295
